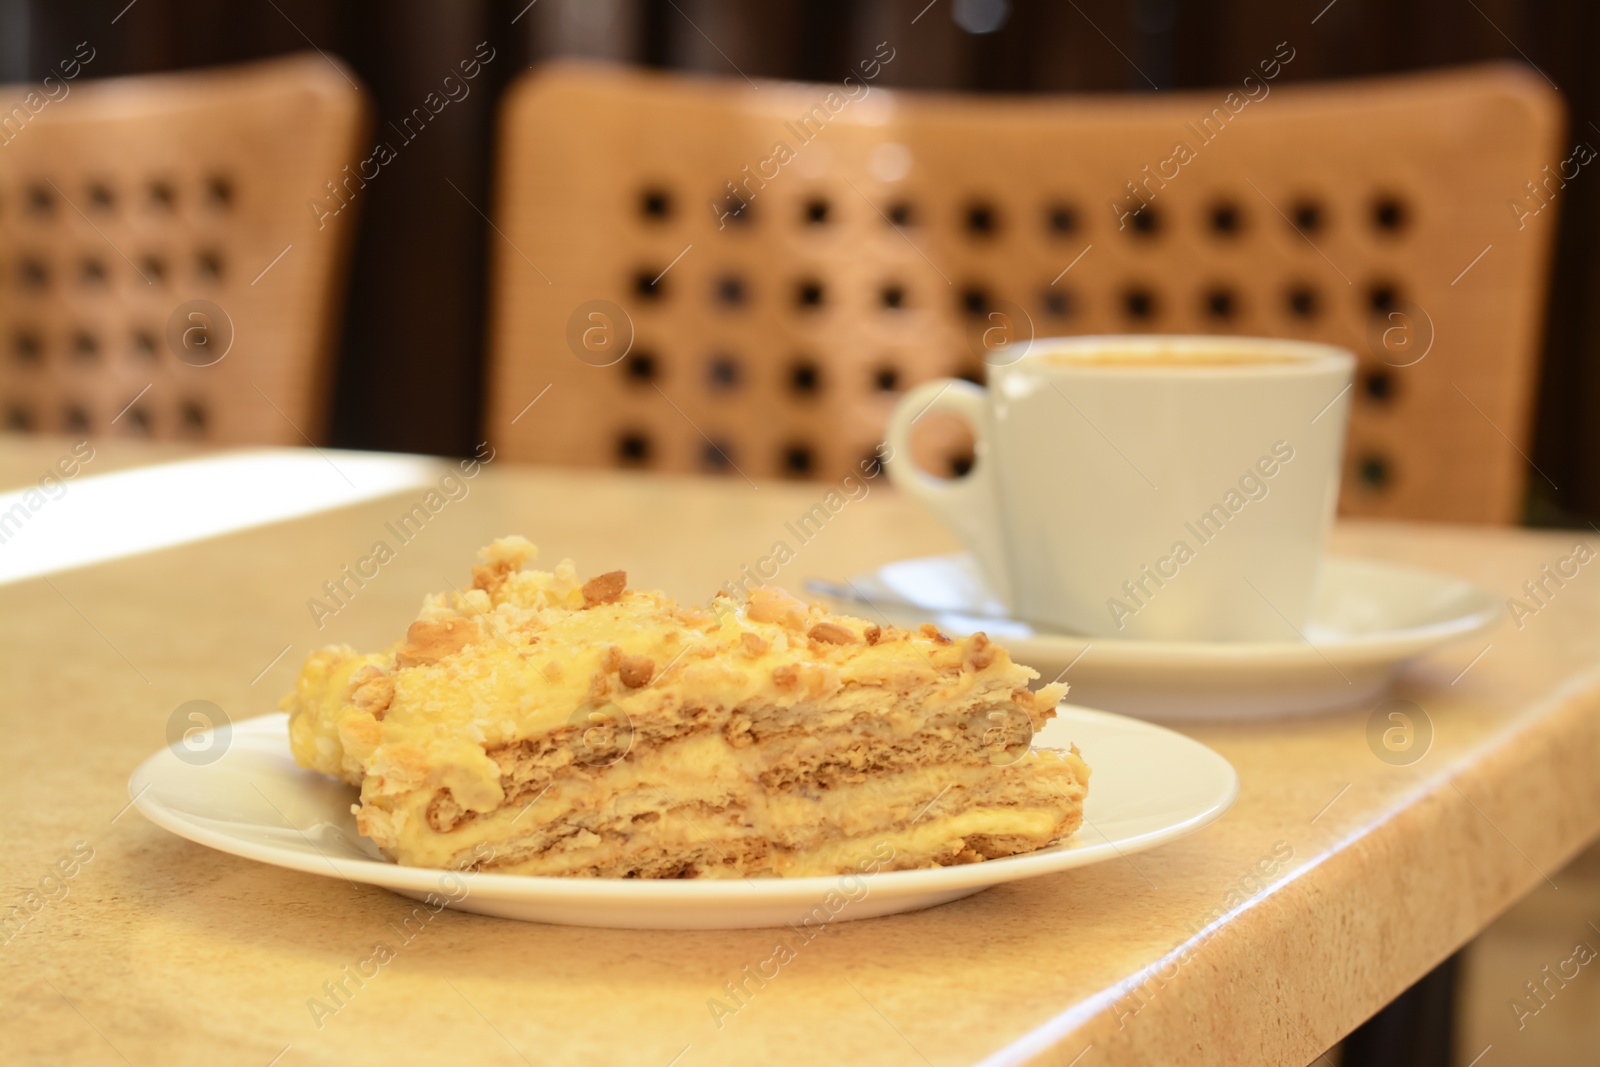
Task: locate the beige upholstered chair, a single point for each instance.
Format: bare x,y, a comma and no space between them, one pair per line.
1393,216
149,225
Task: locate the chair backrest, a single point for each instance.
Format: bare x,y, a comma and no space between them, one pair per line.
784,260
171,264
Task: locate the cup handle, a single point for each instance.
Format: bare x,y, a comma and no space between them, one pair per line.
969,505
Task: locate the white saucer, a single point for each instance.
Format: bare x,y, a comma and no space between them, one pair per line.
1369,618
1149,786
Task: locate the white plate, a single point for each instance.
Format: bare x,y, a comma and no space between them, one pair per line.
1149,786
1368,619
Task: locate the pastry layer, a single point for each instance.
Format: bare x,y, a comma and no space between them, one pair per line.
661,820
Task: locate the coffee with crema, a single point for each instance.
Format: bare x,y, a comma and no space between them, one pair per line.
1164,359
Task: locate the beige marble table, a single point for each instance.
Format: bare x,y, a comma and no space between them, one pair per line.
157,950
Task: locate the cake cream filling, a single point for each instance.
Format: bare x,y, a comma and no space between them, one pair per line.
702,792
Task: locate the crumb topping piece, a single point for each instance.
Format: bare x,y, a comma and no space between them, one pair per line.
980,651
605,589
431,640
774,605
371,691
636,671
831,633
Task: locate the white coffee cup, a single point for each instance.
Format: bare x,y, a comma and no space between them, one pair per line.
1150,487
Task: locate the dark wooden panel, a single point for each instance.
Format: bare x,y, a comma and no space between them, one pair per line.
412,373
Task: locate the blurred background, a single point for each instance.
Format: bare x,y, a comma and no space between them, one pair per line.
410,363
409,360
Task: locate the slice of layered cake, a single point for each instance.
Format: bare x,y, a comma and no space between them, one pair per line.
541,724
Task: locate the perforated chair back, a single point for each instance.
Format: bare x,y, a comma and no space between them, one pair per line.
779,264
162,270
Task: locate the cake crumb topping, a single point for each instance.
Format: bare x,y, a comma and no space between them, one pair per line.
605,589
636,671
831,633
431,640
